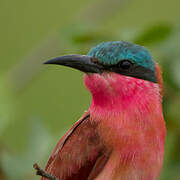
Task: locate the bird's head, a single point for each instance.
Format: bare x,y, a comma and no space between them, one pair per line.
114,69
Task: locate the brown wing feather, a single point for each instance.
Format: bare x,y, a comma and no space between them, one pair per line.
80,154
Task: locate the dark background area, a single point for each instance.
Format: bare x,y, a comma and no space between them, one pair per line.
39,103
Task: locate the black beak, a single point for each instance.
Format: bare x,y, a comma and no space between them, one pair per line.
80,62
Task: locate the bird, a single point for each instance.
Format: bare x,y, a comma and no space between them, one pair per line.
121,136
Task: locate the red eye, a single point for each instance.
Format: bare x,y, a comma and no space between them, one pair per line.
125,64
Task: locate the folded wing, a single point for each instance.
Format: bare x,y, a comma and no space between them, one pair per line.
80,154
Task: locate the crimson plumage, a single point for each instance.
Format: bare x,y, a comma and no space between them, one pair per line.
122,134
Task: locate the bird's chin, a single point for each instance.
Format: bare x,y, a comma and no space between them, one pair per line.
98,82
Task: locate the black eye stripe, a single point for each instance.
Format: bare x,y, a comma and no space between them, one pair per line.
125,64
129,68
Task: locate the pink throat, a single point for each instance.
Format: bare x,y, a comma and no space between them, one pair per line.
113,93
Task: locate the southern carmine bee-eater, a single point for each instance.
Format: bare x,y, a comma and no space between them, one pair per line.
121,136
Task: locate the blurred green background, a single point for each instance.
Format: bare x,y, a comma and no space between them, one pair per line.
39,103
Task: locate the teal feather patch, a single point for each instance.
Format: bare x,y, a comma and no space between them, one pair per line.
111,53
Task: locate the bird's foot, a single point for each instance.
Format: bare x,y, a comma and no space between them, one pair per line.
43,173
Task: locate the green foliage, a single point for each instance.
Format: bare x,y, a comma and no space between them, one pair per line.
38,104
154,34
19,166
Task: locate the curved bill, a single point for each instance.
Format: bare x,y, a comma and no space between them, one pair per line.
80,62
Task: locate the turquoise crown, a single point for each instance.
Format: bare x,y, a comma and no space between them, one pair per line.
111,53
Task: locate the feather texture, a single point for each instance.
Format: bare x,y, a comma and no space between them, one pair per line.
79,155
